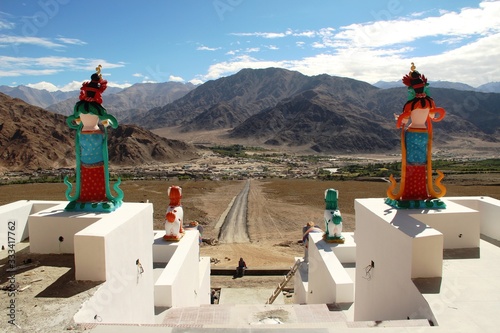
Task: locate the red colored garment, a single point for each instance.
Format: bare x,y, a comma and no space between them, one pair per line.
92,188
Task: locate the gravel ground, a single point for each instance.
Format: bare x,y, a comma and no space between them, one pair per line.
276,211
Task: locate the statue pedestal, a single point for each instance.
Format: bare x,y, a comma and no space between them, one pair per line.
395,246
114,248
182,277
52,230
323,278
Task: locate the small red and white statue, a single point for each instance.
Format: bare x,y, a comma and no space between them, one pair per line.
174,216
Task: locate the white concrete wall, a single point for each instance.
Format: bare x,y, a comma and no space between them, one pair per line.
323,278
460,225
346,252
427,255
19,212
179,284
489,210
162,250
204,281
109,249
390,239
328,282
46,227
300,283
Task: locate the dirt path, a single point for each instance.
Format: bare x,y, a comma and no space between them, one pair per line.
234,229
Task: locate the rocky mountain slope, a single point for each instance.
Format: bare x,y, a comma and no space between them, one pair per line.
134,100
42,97
316,120
282,109
322,113
32,138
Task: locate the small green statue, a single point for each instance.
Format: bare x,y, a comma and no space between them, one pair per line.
333,218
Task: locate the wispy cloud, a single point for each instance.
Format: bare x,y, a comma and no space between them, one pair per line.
272,35
17,66
480,21
175,78
71,41
5,25
6,40
43,85
260,34
57,43
371,51
206,48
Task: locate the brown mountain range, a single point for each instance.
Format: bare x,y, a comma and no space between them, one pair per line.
281,108
32,138
271,107
133,100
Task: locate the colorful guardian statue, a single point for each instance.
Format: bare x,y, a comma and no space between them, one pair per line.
333,218
90,120
174,216
416,189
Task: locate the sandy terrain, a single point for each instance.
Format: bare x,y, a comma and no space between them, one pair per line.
277,210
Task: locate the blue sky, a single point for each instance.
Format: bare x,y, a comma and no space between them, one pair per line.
56,44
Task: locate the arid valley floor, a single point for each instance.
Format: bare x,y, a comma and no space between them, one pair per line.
277,210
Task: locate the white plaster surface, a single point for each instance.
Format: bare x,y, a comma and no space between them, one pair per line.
179,284
395,243
300,283
109,249
323,279
18,213
162,250
49,226
346,252
460,225
489,210
204,285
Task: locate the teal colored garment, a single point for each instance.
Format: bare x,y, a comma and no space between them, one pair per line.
416,147
91,147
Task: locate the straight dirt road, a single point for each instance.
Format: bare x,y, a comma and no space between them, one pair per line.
234,229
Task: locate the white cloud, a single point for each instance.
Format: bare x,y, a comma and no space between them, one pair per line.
206,48
137,75
383,50
287,33
72,41
230,67
318,45
175,78
252,49
43,85
475,64
196,81
6,40
260,34
309,33
15,66
117,85
468,22
73,85
6,25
